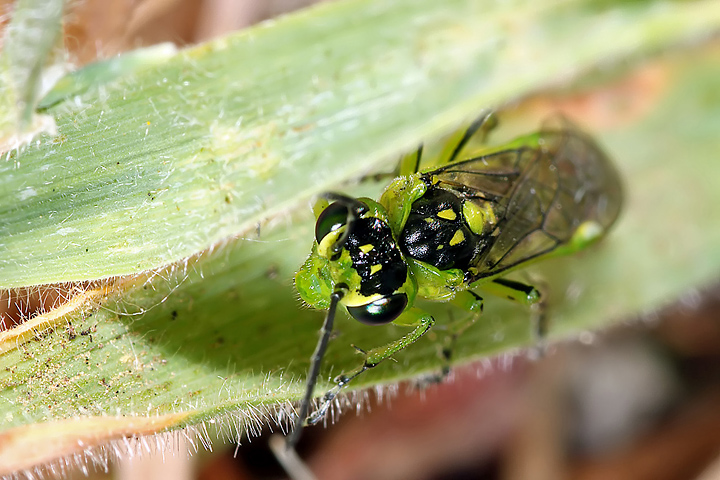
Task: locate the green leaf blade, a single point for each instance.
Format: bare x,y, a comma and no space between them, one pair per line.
223,332
166,163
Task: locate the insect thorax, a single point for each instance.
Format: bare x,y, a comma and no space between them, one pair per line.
376,257
437,233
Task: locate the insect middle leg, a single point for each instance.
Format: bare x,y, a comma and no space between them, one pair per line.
470,302
414,317
453,147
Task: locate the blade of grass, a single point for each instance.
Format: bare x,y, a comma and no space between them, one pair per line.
27,44
169,161
224,333
104,72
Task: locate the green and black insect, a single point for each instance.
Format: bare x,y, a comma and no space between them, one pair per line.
440,232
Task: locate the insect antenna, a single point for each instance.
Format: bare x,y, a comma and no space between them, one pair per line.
355,208
315,362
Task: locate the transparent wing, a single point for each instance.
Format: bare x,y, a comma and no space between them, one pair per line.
541,189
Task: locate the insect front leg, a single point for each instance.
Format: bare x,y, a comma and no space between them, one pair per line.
407,165
414,317
480,128
452,150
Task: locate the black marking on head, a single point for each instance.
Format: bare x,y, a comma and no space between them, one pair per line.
385,252
425,231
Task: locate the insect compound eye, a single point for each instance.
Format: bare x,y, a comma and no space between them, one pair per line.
332,218
381,311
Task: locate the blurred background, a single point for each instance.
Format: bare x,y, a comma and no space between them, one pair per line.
639,402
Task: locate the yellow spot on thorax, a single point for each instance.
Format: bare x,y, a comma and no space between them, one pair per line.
366,248
459,237
447,214
375,268
480,217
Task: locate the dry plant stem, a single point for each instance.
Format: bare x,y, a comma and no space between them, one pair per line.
314,369
289,459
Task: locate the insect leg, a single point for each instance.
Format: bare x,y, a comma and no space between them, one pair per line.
414,317
472,303
540,322
526,295
410,163
407,165
515,291
483,124
469,301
